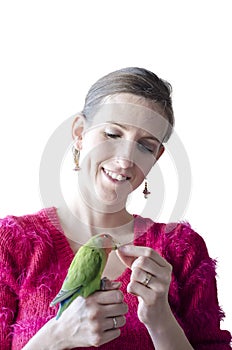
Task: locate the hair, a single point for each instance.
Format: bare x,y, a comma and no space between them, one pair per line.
137,81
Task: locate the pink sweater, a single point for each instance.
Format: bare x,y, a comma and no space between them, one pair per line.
35,256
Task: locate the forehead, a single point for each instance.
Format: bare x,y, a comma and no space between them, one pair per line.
131,110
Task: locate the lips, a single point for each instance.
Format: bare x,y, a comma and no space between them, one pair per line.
115,176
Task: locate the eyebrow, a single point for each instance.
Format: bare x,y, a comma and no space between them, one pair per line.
115,123
125,128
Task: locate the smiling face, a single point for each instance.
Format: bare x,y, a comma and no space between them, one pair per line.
119,148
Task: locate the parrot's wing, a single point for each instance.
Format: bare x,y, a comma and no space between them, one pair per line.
83,269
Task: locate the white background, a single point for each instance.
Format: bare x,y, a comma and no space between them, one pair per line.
52,51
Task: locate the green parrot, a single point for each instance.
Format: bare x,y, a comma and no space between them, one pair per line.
84,274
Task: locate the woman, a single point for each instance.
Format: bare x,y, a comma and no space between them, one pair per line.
160,290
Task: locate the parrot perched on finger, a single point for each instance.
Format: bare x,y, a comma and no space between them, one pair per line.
85,271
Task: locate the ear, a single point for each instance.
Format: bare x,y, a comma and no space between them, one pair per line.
78,126
160,151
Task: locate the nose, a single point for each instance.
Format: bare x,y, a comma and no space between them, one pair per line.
124,163
125,157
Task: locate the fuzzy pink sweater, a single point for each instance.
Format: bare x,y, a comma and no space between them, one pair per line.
35,256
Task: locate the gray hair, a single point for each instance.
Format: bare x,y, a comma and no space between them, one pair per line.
134,80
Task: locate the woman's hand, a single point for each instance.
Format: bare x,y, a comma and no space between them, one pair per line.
86,322
95,320
150,281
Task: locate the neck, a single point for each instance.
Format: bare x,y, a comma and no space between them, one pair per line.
80,221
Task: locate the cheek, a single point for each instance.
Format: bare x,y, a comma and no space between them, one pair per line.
144,163
91,149
97,151
140,176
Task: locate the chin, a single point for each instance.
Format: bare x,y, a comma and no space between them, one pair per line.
110,202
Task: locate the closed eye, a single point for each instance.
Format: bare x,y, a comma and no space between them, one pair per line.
111,135
145,148
142,145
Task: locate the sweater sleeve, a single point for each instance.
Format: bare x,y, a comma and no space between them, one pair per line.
194,272
8,287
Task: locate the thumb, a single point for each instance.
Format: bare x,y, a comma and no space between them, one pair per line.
126,260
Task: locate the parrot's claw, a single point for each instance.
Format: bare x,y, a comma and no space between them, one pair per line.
103,283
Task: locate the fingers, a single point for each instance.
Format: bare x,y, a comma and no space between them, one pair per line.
108,297
144,265
109,335
100,307
107,304
150,273
137,251
125,259
106,315
115,310
94,320
115,322
138,289
142,277
147,260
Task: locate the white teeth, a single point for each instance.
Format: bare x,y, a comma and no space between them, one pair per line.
120,178
114,175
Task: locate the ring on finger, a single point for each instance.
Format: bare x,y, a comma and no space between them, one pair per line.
115,323
147,279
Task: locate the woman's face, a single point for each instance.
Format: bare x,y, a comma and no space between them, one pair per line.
119,148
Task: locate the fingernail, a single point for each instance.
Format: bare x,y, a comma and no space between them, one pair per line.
123,248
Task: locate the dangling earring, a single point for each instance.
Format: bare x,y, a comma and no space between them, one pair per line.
76,155
145,191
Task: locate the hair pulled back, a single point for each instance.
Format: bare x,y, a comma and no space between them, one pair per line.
134,80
